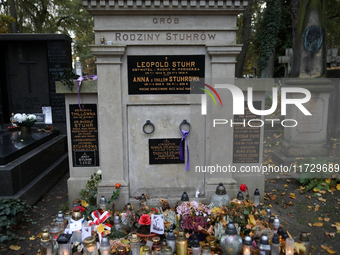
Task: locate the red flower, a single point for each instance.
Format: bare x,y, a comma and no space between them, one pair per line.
156,211
145,220
51,127
243,187
152,209
118,185
82,209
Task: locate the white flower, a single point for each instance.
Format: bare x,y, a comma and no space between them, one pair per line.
75,244
99,172
18,117
32,117
79,248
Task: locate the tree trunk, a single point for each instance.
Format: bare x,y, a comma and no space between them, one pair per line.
268,72
245,38
295,15
14,28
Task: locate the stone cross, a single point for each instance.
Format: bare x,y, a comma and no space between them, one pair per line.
287,60
332,57
28,63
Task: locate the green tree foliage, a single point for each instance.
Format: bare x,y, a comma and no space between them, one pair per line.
57,16
333,24
5,23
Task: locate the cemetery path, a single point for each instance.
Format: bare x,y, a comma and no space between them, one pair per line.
296,214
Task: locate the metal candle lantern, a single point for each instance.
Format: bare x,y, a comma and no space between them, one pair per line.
171,240
231,242
220,197
135,244
257,197
247,245
102,203
304,240
275,245
181,244
64,244
90,246
117,223
105,248
206,250
46,244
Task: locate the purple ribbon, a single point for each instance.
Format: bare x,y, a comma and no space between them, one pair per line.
185,133
80,79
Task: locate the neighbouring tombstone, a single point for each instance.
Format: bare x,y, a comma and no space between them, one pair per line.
332,57
309,138
31,64
287,60
144,95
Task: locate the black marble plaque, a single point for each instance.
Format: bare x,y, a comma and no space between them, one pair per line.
167,74
246,145
165,151
84,135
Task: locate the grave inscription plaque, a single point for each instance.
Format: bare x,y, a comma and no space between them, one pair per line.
246,145
84,135
164,74
165,151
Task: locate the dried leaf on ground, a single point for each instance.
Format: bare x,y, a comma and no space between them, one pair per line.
272,181
310,224
292,195
273,197
32,238
330,251
330,234
317,208
283,193
327,219
320,219
288,180
15,247
299,247
309,197
318,224
309,207
323,192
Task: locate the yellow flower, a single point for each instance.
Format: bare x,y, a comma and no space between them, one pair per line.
84,203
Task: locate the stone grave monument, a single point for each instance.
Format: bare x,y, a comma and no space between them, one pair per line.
31,64
130,123
309,138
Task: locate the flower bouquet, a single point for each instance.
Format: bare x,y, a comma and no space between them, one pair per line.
24,120
194,217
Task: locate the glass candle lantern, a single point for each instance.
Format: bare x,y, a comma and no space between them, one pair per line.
46,244
167,250
171,240
105,248
156,243
146,250
76,217
220,197
247,245
276,224
275,247
90,246
289,246
181,243
64,244
264,245
230,241
257,197
206,250
135,244
67,218
54,231
76,202
305,240
60,220
102,203
196,248
121,250
118,224
185,197
214,248
271,221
